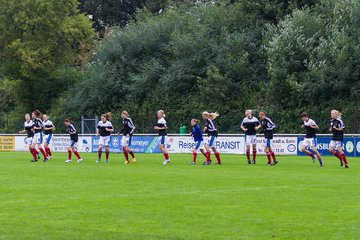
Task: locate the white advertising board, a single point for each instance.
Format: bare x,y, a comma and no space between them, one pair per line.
59,143
280,145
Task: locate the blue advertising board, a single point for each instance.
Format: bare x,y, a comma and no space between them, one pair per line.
324,142
139,144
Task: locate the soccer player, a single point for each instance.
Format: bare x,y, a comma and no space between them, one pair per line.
211,130
127,130
28,125
38,135
104,129
197,134
268,126
310,138
337,127
73,140
161,127
250,125
48,130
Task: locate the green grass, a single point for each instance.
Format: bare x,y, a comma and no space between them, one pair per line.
294,200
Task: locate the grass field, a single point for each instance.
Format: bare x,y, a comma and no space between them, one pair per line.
294,200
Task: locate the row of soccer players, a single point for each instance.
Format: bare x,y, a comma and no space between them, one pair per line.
40,131
250,125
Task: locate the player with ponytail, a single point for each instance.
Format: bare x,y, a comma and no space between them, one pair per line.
104,129
268,127
28,129
337,127
197,134
250,125
210,129
127,130
74,138
161,126
38,135
48,130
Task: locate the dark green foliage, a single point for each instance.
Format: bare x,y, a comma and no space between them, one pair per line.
314,64
184,61
41,43
283,57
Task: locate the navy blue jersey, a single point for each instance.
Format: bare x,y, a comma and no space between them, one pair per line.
337,135
28,126
38,125
73,133
162,123
48,124
250,124
196,132
102,128
210,127
310,132
128,127
267,126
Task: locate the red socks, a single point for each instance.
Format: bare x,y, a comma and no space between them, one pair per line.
77,154
343,156
132,154
99,153
207,156
166,155
43,152
336,154
254,154
107,153
311,154
248,155
48,151
268,155
217,155
273,155
126,154
34,153
194,156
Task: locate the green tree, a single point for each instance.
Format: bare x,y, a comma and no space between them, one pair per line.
314,64
41,41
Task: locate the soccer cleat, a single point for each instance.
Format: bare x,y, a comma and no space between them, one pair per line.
218,163
106,160
79,160
98,161
321,163
269,164
68,161
207,163
166,162
314,159
134,160
126,162
34,160
45,159
346,165
341,163
253,162
275,162
249,162
38,155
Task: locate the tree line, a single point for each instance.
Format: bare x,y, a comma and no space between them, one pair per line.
70,58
